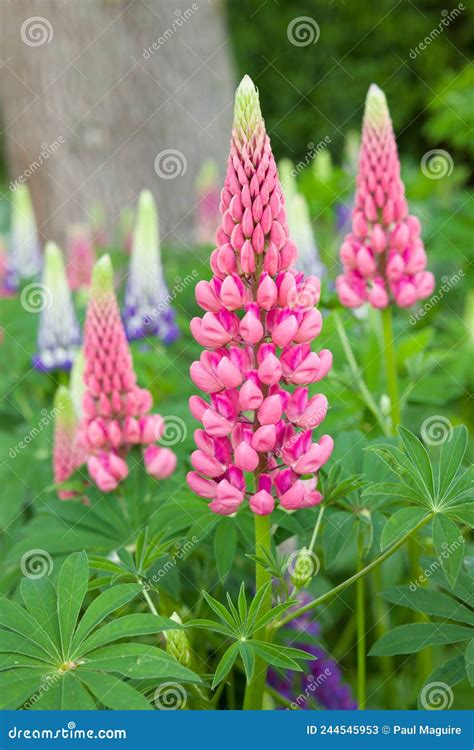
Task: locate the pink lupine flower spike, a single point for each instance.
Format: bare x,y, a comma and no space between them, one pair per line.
383,257
67,453
259,322
116,412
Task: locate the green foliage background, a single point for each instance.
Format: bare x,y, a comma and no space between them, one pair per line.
313,91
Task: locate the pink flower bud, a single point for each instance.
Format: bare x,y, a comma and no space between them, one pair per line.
262,503
264,438
251,328
270,411
159,462
250,396
246,457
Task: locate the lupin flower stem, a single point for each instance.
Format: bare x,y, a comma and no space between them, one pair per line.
356,374
254,690
424,657
391,369
361,628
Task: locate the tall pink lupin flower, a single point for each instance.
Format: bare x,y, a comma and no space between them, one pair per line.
67,454
257,330
115,410
383,257
80,256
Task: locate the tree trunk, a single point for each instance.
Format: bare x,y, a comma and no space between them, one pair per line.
101,98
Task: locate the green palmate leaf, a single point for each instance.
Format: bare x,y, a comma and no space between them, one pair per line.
74,695
101,563
49,697
463,513
220,611
469,661
138,661
242,603
407,639
452,454
40,599
463,589
336,534
233,610
430,602
16,686
255,606
11,642
14,660
210,625
419,457
15,618
126,627
225,545
435,693
127,559
72,588
113,693
460,489
272,615
140,548
225,664
101,607
449,545
397,490
398,462
280,656
248,659
399,524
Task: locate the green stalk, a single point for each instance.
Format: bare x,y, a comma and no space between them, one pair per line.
360,633
349,581
382,626
423,658
316,528
391,369
254,690
356,374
